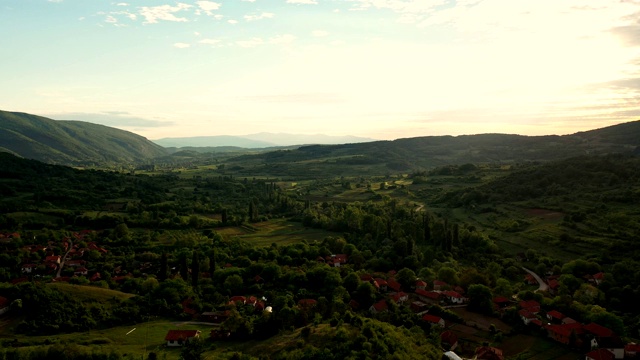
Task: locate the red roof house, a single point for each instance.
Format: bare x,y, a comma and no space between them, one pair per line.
394,285
420,284
555,316
399,297
432,319
562,333
438,285
454,297
531,305
428,296
378,307
631,350
449,340
600,354
598,330
180,337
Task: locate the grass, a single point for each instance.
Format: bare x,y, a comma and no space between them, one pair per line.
278,231
145,338
91,293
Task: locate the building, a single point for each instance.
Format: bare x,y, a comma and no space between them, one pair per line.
434,320
180,337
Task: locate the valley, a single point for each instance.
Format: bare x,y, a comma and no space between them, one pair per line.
356,251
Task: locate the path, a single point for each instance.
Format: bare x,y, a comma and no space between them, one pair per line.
64,258
543,286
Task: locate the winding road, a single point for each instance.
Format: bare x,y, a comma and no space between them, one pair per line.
543,286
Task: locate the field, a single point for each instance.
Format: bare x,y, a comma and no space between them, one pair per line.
90,293
136,339
277,231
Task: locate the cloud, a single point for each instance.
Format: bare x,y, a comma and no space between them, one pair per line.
112,118
209,41
629,34
181,45
320,33
264,15
310,2
400,6
208,6
232,22
153,14
282,39
256,41
122,4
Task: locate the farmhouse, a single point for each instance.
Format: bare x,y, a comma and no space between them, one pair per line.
380,306
432,319
454,297
599,354
180,337
449,340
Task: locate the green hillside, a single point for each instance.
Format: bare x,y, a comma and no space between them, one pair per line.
72,142
410,154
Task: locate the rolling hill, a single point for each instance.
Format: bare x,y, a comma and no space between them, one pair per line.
73,143
420,153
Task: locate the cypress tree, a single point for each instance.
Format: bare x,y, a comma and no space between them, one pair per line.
195,269
163,267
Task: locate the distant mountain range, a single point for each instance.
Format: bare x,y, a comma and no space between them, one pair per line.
75,143
260,140
419,153
78,143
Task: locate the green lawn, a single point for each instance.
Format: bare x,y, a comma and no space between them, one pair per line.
146,337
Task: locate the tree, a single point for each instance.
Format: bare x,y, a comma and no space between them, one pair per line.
480,299
195,269
427,228
233,283
192,350
162,276
184,267
448,275
407,278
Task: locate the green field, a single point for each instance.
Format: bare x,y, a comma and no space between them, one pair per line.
90,293
277,231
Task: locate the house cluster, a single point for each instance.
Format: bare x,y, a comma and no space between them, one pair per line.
602,341
420,297
51,263
334,260
554,284
449,342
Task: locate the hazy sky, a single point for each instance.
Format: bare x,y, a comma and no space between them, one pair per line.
378,68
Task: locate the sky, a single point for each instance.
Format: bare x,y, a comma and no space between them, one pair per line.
383,69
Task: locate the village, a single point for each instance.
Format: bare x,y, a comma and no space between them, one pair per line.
433,302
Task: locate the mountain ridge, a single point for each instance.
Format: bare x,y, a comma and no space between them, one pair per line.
70,142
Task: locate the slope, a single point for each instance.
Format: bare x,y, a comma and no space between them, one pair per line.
74,143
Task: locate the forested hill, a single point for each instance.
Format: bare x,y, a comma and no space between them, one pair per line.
425,152
72,142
